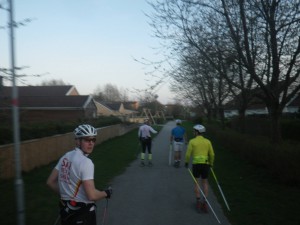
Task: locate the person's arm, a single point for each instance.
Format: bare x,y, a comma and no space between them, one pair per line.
52,181
92,193
188,154
211,155
152,130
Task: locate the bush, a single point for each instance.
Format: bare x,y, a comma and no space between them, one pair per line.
282,161
260,126
40,130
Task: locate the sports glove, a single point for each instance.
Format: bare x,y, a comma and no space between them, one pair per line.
108,192
186,165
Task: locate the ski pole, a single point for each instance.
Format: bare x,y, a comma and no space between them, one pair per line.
56,221
105,211
204,196
170,154
220,189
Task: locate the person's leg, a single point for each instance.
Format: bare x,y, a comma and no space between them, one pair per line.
180,147
204,184
149,146
143,152
196,174
175,148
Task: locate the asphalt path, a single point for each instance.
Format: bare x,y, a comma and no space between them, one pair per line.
157,195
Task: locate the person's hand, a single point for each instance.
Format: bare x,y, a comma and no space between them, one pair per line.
108,192
186,165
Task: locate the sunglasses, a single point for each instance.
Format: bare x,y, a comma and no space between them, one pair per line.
89,140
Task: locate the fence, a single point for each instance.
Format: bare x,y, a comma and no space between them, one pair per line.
39,152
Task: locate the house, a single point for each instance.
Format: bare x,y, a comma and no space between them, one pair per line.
47,103
116,109
258,107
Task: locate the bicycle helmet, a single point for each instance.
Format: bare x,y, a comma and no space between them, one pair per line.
199,128
85,130
178,121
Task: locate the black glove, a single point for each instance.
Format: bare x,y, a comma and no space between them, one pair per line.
186,165
108,192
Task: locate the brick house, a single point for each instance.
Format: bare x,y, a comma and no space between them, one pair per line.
47,103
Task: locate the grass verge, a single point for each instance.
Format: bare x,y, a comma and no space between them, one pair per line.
254,196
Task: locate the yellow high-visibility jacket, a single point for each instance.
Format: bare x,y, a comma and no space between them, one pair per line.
201,151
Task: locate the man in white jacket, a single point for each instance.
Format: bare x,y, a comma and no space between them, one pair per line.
144,135
73,180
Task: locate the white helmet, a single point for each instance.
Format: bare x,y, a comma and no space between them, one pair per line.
85,130
178,121
199,128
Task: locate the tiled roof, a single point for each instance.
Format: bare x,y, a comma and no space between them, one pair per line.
50,102
38,90
112,105
44,97
53,101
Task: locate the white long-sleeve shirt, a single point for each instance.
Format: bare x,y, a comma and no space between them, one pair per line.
145,131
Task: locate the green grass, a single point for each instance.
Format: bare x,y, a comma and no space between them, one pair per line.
110,158
254,196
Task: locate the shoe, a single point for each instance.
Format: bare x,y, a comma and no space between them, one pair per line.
142,164
205,207
150,163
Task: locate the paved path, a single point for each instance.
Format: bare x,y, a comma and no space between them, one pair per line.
158,195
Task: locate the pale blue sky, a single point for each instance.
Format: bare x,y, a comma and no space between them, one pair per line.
85,43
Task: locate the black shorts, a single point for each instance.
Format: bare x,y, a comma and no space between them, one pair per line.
201,170
83,216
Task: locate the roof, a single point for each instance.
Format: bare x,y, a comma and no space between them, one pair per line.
47,102
45,97
112,105
61,90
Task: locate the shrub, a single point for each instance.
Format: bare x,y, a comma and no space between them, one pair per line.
282,161
40,130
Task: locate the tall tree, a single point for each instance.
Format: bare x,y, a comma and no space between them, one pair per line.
271,57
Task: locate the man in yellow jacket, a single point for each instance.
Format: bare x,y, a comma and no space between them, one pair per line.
202,153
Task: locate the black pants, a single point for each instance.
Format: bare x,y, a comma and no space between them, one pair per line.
146,144
82,216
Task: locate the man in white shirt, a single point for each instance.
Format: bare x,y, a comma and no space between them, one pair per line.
144,135
73,179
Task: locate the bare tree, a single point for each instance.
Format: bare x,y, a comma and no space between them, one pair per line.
271,57
53,82
253,45
110,93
